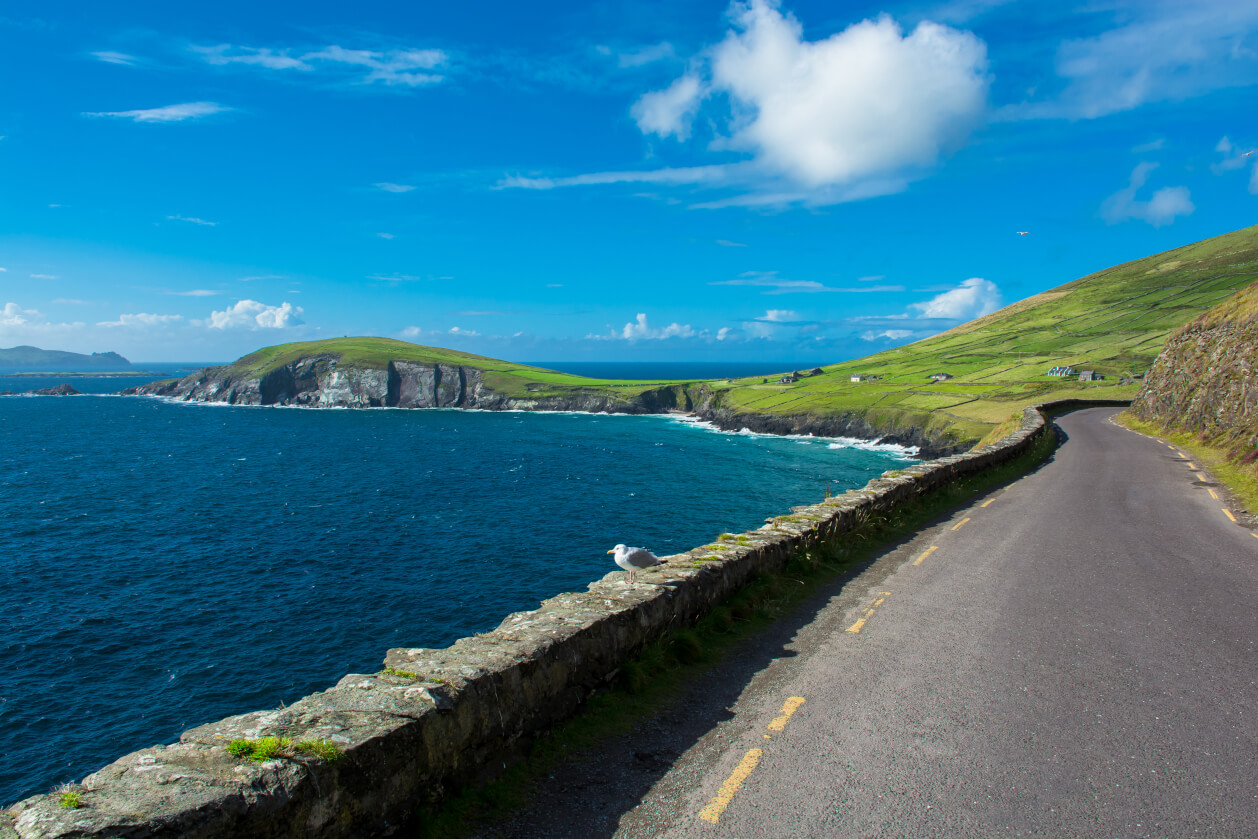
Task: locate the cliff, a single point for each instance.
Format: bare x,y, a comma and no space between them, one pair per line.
379,373
1206,379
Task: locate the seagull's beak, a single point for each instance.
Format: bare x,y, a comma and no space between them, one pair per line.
612,551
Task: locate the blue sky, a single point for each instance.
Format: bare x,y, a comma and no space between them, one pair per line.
803,181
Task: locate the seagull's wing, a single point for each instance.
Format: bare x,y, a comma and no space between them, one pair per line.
641,558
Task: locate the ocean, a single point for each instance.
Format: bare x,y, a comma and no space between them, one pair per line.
169,564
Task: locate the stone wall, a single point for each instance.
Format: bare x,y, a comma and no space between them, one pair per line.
434,718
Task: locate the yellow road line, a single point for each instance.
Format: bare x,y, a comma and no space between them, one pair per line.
925,554
1228,513
1184,456
712,812
958,525
985,503
1192,465
1255,535
788,709
879,601
1213,494
856,627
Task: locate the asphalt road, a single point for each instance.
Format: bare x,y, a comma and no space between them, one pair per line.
1075,656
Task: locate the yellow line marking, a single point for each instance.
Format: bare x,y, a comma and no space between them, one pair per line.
1192,465
1213,494
1255,535
925,554
1184,456
985,503
958,525
1228,513
879,601
856,627
712,812
788,709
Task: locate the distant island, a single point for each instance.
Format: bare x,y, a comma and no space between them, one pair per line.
34,359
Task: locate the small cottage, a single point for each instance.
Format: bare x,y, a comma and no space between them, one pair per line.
1061,371
816,371
941,377
1090,376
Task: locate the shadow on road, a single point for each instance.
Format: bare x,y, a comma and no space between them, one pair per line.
589,795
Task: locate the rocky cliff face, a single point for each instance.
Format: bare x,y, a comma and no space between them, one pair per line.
1206,379
321,381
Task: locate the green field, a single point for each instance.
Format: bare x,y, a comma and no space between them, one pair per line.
1113,322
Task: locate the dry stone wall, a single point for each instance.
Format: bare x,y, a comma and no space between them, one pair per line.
434,719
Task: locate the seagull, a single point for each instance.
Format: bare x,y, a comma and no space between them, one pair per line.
633,559
1024,232
1247,154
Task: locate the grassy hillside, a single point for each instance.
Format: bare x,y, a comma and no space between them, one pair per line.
1114,322
503,376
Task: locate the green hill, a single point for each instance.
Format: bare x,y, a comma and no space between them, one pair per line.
1114,322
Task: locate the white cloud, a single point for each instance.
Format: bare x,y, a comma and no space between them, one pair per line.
3,269
387,187
973,298
668,112
392,67
264,277
645,55
781,285
412,332
19,323
196,292
45,276
1237,157
14,315
722,333
1165,51
386,235
866,101
640,329
70,301
111,57
141,320
843,118
890,334
261,57
470,333
250,314
779,316
726,243
1160,210
192,220
168,113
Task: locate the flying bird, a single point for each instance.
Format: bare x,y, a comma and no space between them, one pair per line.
1024,232
633,559
1246,154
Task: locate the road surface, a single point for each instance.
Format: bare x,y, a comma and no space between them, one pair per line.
1073,655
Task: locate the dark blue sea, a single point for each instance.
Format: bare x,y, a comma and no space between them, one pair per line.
165,564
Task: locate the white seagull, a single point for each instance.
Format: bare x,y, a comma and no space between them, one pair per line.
1024,232
633,559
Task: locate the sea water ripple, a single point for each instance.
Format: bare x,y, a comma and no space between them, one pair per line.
167,565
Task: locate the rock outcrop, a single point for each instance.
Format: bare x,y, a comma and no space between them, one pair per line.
1206,379
325,381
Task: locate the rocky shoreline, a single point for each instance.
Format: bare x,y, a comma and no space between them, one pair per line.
321,382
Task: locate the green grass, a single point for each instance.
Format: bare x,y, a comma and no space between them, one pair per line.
665,669
70,799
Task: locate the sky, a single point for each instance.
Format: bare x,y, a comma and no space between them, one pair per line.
636,181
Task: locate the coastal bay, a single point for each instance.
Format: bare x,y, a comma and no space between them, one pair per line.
172,563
